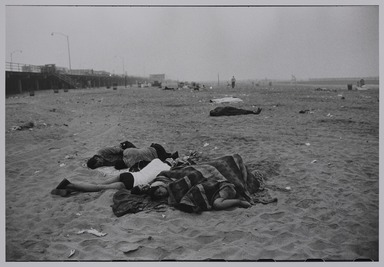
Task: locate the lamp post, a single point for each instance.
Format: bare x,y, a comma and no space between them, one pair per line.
12,54
69,53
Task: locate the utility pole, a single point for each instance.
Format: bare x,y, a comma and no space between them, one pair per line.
69,52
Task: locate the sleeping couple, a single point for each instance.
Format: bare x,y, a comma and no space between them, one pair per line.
218,184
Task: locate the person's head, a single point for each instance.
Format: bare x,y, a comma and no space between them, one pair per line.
158,192
95,162
127,144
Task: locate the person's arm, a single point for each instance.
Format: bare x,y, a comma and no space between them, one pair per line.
222,204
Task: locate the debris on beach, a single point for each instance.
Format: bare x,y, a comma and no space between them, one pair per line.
130,248
325,89
229,99
303,111
71,253
25,126
314,161
92,231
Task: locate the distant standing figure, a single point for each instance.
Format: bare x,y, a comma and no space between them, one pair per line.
233,81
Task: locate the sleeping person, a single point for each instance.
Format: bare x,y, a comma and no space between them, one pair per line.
125,180
127,155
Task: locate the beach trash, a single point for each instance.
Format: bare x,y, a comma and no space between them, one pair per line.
349,86
71,253
92,231
130,248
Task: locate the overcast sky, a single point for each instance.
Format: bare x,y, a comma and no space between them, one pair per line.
198,43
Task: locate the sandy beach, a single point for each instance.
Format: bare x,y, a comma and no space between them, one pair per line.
327,156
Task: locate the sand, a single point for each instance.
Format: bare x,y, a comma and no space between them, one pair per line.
328,156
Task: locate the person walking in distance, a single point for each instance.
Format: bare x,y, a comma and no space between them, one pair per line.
233,81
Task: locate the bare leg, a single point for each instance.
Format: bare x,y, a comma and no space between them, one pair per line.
94,187
113,179
222,204
66,187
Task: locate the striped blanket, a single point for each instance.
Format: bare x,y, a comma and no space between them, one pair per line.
194,188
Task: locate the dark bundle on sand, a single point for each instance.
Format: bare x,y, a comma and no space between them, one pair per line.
124,202
232,111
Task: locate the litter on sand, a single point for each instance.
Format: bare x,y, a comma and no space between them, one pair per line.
130,248
229,99
92,231
71,253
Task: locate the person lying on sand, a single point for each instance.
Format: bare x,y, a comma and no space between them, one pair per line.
123,158
108,156
218,184
124,180
226,197
232,111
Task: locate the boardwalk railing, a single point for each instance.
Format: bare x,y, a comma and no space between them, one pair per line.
19,67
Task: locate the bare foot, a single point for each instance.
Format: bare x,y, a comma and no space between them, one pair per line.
245,204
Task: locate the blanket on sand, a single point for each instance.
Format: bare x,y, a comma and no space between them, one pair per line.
124,203
196,187
192,188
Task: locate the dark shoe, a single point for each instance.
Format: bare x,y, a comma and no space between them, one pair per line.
63,184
